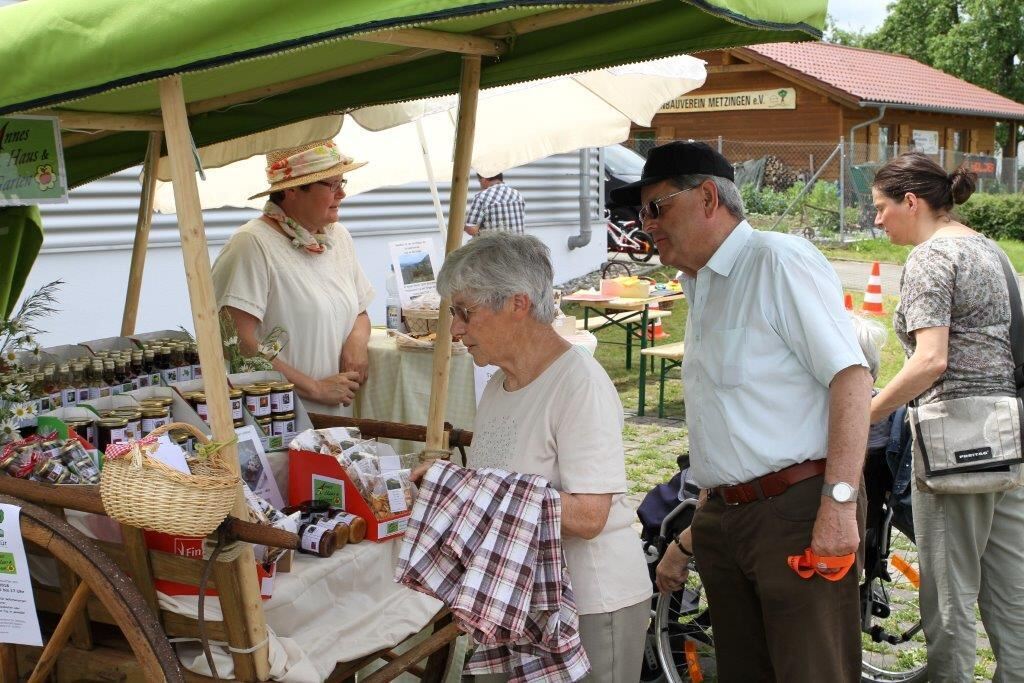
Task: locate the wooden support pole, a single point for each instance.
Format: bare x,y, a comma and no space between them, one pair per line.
211,356
438,40
142,226
65,626
469,92
94,120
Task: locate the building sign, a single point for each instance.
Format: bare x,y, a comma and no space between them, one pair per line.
31,161
984,166
780,98
926,141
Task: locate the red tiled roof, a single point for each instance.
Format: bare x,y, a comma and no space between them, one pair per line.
871,76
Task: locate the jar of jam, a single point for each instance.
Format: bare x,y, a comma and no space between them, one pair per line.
282,397
153,417
164,401
183,439
110,430
52,471
257,400
12,463
237,399
266,424
317,540
356,525
85,429
190,397
199,403
80,463
282,424
134,417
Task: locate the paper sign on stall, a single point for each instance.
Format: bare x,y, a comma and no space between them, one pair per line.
19,623
31,161
415,267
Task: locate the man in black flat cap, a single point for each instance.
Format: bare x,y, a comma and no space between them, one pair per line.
777,397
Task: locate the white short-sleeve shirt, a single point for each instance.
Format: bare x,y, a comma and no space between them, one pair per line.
566,426
766,333
314,297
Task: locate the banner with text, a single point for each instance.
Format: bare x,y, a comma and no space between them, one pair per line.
31,161
780,98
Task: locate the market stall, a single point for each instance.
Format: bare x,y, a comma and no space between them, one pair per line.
122,89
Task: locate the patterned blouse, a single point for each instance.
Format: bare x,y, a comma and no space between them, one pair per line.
958,282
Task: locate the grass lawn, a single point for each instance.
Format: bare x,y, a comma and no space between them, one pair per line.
881,249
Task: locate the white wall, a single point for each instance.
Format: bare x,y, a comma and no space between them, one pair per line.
88,244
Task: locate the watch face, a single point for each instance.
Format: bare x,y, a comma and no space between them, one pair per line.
842,492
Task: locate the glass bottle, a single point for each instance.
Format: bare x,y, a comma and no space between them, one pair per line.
110,378
69,390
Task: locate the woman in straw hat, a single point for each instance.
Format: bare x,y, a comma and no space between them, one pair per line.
295,267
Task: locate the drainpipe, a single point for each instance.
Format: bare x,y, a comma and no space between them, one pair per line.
583,239
854,129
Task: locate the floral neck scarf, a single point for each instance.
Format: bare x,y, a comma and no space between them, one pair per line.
301,238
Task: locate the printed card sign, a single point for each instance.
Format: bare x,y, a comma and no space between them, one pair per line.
31,161
19,623
329,489
415,267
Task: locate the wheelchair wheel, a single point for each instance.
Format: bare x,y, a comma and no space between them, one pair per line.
682,624
893,642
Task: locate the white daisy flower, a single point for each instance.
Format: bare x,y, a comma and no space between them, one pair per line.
22,410
10,355
8,431
231,341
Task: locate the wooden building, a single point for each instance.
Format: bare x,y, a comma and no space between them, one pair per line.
818,93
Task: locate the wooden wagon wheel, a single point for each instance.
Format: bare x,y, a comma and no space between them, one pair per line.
103,579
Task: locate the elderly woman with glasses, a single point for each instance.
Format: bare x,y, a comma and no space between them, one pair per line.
295,267
551,410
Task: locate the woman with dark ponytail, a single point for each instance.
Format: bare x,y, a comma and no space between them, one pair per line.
953,320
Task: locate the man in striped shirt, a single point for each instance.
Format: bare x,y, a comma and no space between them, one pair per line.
496,207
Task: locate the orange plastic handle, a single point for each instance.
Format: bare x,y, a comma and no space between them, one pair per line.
831,568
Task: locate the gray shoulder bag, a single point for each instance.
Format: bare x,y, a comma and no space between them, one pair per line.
973,445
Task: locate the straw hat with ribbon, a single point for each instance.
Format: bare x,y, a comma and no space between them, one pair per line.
305,164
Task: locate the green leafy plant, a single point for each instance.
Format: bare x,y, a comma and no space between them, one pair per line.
17,342
996,215
266,350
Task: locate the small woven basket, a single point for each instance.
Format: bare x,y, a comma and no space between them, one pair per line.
140,491
420,321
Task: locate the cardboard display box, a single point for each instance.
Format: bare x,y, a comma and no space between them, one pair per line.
317,476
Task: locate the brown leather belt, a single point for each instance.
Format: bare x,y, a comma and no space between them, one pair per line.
770,485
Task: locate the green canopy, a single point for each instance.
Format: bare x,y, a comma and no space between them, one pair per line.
21,236
107,55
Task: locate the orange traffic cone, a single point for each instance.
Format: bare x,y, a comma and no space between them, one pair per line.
655,332
873,294
848,301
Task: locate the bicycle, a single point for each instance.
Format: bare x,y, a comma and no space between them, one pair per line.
680,641
627,237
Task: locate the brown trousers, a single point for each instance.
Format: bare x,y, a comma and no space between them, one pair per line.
768,623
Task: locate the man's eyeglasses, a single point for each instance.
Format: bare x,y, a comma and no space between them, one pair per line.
334,186
461,312
652,209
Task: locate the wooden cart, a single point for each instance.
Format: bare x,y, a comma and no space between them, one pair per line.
130,80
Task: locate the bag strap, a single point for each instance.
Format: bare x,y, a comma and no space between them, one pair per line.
1016,316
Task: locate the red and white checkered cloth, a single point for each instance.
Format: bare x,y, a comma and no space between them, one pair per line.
488,544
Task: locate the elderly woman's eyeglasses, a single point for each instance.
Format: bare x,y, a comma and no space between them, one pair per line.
461,312
652,209
335,186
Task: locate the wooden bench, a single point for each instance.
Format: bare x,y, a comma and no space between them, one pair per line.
671,356
627,320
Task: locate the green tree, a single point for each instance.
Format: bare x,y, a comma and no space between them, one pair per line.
839,36
980,41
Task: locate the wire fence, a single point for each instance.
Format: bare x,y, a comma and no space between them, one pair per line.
823,189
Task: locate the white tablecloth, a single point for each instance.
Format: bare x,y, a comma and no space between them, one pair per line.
324,611
398,388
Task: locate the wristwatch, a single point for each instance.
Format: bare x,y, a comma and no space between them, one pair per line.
841,492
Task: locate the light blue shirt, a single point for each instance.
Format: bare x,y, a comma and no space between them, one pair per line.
765,334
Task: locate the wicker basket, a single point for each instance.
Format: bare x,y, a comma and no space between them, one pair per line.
420,321
143,492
